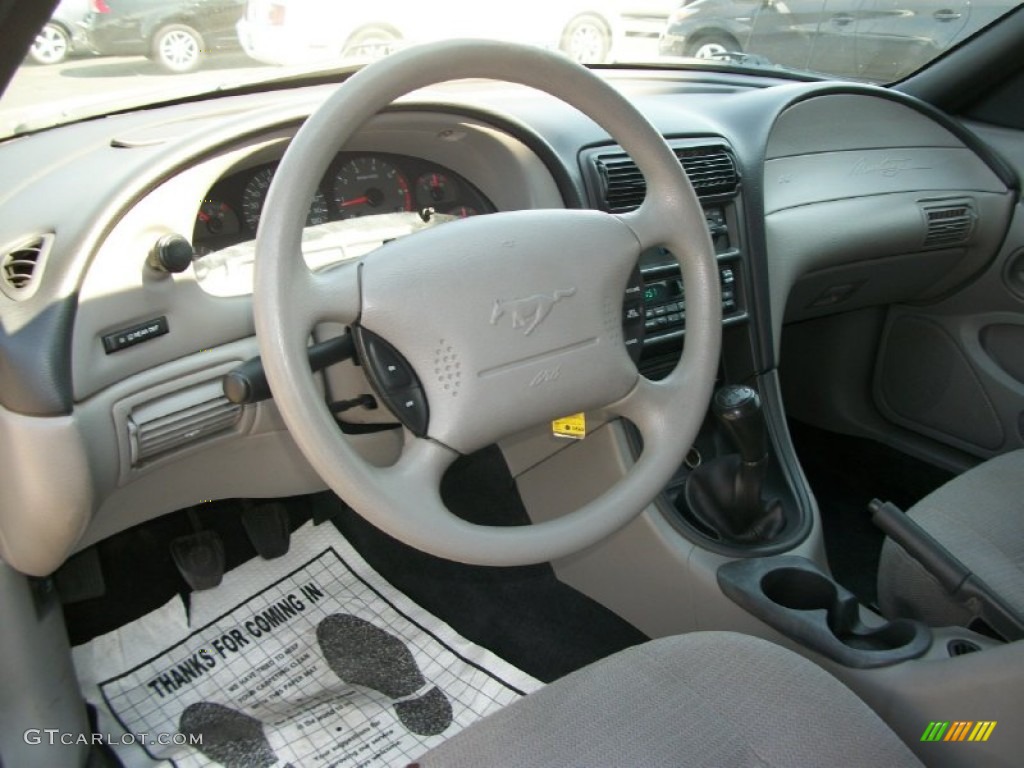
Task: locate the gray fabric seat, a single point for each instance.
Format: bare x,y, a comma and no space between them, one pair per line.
703,699
979,517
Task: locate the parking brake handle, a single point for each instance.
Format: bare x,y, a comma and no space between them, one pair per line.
956,578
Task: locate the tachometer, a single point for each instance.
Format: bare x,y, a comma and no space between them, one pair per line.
368,185
254,196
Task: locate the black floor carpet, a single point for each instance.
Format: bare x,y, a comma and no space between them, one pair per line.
845,473
525,615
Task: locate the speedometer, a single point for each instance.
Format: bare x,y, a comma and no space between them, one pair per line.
254,197
368,185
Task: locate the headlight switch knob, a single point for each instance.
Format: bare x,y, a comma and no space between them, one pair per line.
172,253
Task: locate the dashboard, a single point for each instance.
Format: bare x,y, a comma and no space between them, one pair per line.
818,197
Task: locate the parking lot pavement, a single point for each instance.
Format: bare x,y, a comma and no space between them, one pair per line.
41,95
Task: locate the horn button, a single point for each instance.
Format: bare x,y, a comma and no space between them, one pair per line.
483,327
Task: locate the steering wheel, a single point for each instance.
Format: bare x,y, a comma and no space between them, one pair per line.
483,327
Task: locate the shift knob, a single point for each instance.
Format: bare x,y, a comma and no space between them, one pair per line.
738,409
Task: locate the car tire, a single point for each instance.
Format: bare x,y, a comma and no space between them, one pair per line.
52,45
710,46
587,39
177,48
370,43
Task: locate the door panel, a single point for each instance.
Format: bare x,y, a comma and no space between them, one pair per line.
896,37
812,35
216,20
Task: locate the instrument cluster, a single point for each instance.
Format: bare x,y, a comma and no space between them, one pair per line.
356,184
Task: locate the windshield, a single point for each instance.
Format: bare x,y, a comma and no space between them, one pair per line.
97,56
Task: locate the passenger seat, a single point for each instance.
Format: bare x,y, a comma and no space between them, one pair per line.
979,517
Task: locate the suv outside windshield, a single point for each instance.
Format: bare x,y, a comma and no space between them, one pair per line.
97,56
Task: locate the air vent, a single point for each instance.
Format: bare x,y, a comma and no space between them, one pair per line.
959,647
20,266
175,421
950,223
711,171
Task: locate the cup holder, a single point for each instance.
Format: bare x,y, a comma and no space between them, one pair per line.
799,589
889,637
795,597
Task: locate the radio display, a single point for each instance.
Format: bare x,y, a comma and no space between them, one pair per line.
662,291
655,292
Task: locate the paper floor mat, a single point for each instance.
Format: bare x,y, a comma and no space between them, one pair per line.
308,660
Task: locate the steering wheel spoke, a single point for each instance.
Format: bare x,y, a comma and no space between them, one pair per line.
420,468
644,406
330,294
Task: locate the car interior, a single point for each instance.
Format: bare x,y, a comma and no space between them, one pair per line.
631,378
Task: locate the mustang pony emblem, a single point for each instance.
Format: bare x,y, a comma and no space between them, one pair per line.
530,312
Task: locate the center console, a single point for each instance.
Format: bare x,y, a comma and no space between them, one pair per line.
738,494
721,498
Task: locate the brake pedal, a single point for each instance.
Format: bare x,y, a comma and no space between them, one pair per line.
268,529
199,558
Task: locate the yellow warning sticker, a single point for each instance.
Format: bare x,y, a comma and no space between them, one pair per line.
574,427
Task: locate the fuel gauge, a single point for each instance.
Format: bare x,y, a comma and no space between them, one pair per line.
216,218
434,189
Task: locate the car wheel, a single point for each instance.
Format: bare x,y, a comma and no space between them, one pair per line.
51,45
370,43
712,47
178,48
587,39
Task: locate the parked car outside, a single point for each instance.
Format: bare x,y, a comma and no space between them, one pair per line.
62,35
302,32
875,40
176,34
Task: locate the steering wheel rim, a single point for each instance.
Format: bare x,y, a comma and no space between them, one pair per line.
398,292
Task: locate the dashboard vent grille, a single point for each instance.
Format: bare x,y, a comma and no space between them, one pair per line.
181,419
711,171
948,224
19,267
960,647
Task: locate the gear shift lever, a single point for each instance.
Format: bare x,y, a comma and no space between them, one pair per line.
738,409
726,492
